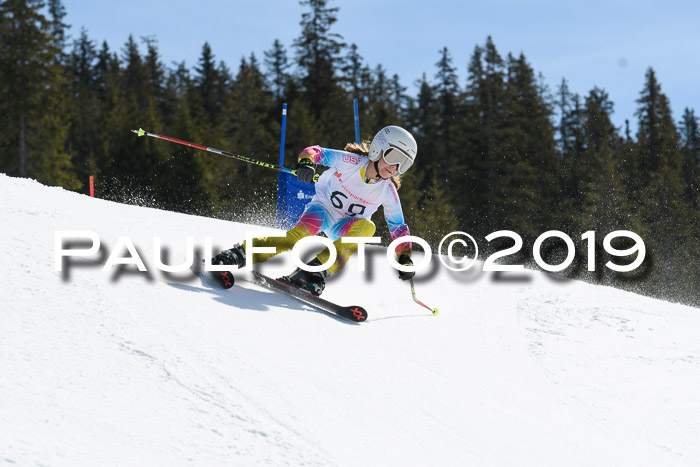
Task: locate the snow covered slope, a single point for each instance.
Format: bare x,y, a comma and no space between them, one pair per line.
124,368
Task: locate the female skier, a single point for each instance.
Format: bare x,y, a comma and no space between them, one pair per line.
346,197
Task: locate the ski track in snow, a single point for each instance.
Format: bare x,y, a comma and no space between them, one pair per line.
125,368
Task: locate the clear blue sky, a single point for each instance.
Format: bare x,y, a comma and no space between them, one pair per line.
604,43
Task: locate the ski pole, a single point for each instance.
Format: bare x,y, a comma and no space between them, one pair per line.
434,311
278,168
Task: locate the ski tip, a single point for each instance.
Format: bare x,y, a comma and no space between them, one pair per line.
357,314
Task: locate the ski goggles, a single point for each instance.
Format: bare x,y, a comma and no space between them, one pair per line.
393,156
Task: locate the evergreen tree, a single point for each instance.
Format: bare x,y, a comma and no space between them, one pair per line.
486,139
352,72
399,99
366,83
57,29
32,104
424,118
250,133
531,182
251,129
571,147
178,178
134,74
303,130
106,67
207,80
224,92
658,157
379,107
277,65
83,135
112,111
155,71
134,163
604,206
656,133
690,154
660,189
179,89
185,169
690,148
318,52
449,124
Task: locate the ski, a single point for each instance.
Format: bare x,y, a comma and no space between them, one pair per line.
224,278
353,313
356,314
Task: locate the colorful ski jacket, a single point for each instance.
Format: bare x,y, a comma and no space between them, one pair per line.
345,192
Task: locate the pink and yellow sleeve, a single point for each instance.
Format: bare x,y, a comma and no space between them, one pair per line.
312,152
393,213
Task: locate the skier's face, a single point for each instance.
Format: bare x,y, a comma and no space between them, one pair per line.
386,170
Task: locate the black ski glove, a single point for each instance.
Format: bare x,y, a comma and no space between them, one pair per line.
306,171
405,260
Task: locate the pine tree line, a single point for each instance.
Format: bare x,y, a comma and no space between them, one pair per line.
499,150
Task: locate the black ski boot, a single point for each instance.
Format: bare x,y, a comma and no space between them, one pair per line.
312,282
233,257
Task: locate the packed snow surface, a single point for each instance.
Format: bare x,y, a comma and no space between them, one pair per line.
120,367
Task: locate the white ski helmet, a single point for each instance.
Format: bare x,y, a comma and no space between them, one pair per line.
396,146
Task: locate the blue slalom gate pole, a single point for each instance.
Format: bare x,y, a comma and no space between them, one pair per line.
284,130
292,195
357,122
281,180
